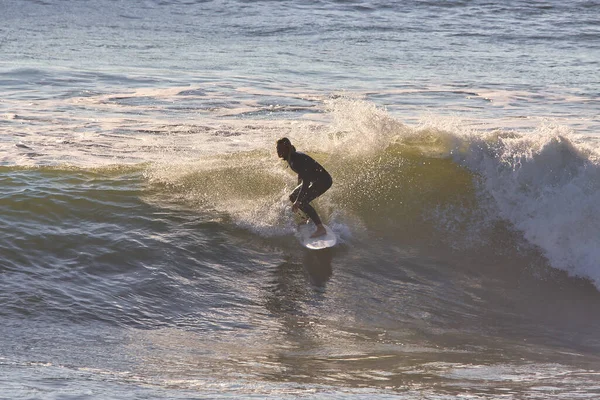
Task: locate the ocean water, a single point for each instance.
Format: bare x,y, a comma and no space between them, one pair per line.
147,245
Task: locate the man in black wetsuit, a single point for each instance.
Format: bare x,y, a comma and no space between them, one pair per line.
313,181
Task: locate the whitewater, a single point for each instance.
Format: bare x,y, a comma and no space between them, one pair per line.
148,246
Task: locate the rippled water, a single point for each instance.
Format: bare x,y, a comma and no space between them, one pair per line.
148,248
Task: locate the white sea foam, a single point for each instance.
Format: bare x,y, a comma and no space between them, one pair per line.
548,189
542,182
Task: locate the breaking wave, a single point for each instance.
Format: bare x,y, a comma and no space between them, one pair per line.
436,182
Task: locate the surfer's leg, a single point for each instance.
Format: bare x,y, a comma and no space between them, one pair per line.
304,203
314,190
312,214
317,189
308,209
294,196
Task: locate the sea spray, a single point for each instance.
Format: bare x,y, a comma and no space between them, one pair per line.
549,190
435,182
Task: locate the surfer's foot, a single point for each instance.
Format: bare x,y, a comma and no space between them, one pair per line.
319,232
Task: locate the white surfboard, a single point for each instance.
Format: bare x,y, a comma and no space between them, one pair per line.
318,243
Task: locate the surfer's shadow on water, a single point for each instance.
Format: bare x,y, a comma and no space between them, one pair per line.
318,265
315,265
298,283
318,256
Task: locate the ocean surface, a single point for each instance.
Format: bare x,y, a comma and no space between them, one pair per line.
147,246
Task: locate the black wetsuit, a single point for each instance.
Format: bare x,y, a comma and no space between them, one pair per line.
315,181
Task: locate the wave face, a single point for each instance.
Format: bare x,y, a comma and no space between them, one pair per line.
548,189
186,264
146,237
437,181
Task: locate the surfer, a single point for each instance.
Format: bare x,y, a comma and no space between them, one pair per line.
313,181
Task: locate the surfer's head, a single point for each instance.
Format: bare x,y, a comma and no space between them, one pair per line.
284,148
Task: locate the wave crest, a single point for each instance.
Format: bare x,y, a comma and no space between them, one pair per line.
434,182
